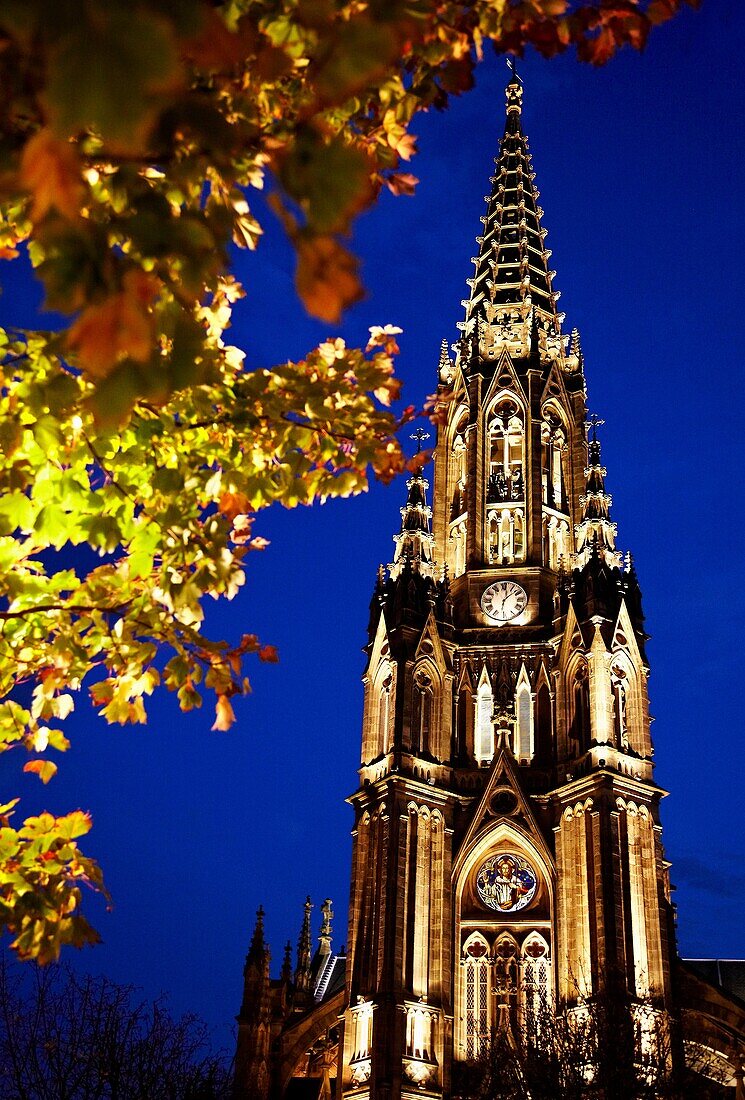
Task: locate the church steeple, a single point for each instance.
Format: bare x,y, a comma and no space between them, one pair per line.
512,284
531,660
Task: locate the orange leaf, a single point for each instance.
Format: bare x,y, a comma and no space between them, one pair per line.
224,714
269,653
234,504
50,170
120,327
326,277
401,183
45,769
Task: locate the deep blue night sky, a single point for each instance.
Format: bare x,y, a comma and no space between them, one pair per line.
640,167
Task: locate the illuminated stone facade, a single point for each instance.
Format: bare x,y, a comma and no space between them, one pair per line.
507,850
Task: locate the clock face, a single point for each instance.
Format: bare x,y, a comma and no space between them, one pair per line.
504,600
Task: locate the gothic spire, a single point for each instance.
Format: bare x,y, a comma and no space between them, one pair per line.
512,279
258,951
415,541
596,533
256,971
302,971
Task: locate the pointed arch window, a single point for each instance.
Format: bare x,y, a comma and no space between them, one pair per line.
476,996
484,724
506,453
464,724
535,983
580,729
543,724
524,715
384,713
458,540
459,473
422,714
620,686
553,450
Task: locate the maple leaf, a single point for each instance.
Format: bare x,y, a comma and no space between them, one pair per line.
45,769
117,328
50,170
326,277
232,505
401,183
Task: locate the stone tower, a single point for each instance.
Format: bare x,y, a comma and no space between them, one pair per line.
507,840
507,857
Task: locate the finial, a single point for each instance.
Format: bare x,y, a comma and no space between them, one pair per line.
419,435
514,89
593,423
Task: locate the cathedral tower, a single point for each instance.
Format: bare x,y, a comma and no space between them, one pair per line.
507,849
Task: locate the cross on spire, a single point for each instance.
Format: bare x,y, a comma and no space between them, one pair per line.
420,435
593,423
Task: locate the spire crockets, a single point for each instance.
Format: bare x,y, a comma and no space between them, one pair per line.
302,971
595,532
415,541
511,289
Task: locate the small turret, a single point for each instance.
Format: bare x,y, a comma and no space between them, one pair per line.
415,542
596,534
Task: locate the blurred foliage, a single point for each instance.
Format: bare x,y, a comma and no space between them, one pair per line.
131,138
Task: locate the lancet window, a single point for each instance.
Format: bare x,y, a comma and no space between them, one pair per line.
506,454
464,721
556,542
619,685
458,545
476,992
459,471
543,739
535,983
422,713
505,488
384,713
458,482
484,724
524,740
553,449
580,704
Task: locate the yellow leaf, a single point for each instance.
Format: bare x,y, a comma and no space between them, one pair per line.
45,769
224,714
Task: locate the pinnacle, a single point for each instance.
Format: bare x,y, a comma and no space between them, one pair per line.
596,533
415,542
258,950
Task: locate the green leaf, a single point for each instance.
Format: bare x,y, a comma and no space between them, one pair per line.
329,180
106,72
